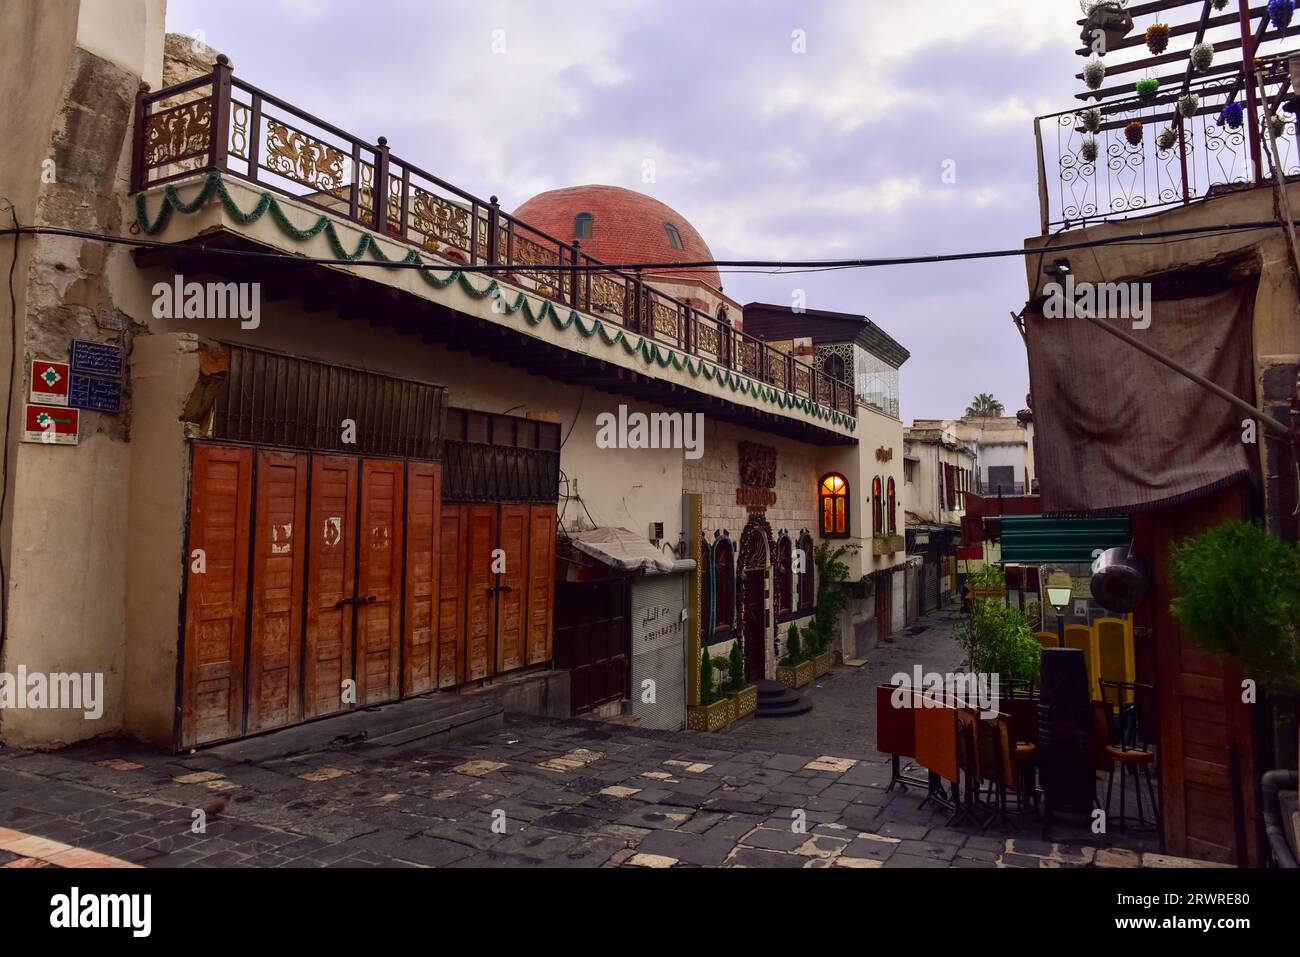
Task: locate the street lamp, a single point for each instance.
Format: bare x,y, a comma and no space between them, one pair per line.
1059,587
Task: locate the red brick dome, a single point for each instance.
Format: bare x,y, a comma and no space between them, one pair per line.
625,227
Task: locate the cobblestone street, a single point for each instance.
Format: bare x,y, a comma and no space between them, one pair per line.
540,791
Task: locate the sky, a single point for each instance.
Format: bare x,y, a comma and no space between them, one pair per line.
779,129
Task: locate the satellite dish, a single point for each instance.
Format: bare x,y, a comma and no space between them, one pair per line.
1119,580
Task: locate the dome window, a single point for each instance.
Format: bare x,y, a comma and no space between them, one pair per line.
674,237
582,225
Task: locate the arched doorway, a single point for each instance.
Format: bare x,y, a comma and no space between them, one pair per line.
756,551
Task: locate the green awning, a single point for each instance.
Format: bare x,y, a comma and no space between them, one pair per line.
1038,540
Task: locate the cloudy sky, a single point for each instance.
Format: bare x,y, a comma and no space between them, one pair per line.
837,151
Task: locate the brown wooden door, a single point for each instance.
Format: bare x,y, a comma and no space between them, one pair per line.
591,640
379,582
884,605
279,561
480,594
423,502
511,584
755,626
331,582
451,595
541,581
216,594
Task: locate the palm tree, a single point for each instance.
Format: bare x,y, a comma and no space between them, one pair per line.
984,406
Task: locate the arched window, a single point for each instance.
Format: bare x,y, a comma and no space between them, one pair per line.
674,237
724,588
784,575
583,225
706,588
834,506
833,366
877,507
893,508
806,579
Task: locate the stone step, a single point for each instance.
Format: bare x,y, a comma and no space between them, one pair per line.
788,709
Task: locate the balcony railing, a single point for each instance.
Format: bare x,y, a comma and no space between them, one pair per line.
218,122
999,488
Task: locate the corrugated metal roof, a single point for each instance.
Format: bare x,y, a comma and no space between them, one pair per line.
1037,540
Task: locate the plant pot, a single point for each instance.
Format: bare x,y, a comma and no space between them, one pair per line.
823,663
713,717
887,545
795,676
744,702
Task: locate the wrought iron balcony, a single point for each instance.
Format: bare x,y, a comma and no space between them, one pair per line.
218,122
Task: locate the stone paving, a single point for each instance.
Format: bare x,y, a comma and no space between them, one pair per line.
571,793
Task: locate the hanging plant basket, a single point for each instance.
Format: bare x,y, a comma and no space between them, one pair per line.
1091,120
1094,73
1232,115
1280,11
1220,4
1167,139
1147,88
1089,151
1188,105
1278,125
1133,133
1107,22
1202,56
1158,38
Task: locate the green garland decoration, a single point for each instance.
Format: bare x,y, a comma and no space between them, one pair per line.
651,352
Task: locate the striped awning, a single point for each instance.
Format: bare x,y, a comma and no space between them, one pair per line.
1040,540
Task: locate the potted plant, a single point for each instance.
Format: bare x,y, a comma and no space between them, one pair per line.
817,644
1202,56
1158,38
1094,73
1280,11
1232,115
1089,150
1277,125
1090,120
1167,139
795,669
1133,133
1188,105
1147,88
1000,640
1107,23
988,582
1239,598
744,696
715,711
886,544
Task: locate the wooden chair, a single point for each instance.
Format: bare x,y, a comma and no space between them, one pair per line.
1115,659
1125,706
1085,639
1046,638
1022,714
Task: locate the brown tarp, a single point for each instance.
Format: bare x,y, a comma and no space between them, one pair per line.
1115,430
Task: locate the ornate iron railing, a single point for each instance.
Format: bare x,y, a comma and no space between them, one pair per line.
1206,157
217,122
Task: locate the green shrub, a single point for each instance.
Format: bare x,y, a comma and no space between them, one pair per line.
737,667
1000,640
707,694
793,653
1239,597
988,576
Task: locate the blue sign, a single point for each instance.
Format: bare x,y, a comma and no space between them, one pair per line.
96,358
94,393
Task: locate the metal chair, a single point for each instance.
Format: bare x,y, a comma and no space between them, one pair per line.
1127,709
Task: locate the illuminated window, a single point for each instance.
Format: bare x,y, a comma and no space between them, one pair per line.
674,237
834,506
893,508
806,581
724,604
582,225
877,507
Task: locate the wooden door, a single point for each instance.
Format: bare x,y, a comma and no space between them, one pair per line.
331,583
452,543
755,633
379,581
423,502
480,590
884,604
513,530
216,594
541,581
279,561
591,640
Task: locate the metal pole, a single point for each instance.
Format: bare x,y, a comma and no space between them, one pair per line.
1060,627
1279,182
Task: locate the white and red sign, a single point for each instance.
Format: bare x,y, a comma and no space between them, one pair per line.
50,382
51,424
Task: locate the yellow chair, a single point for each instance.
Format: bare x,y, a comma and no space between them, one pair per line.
1115,660
1046,638
1084,638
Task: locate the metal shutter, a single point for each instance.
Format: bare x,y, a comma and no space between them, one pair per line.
659,650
